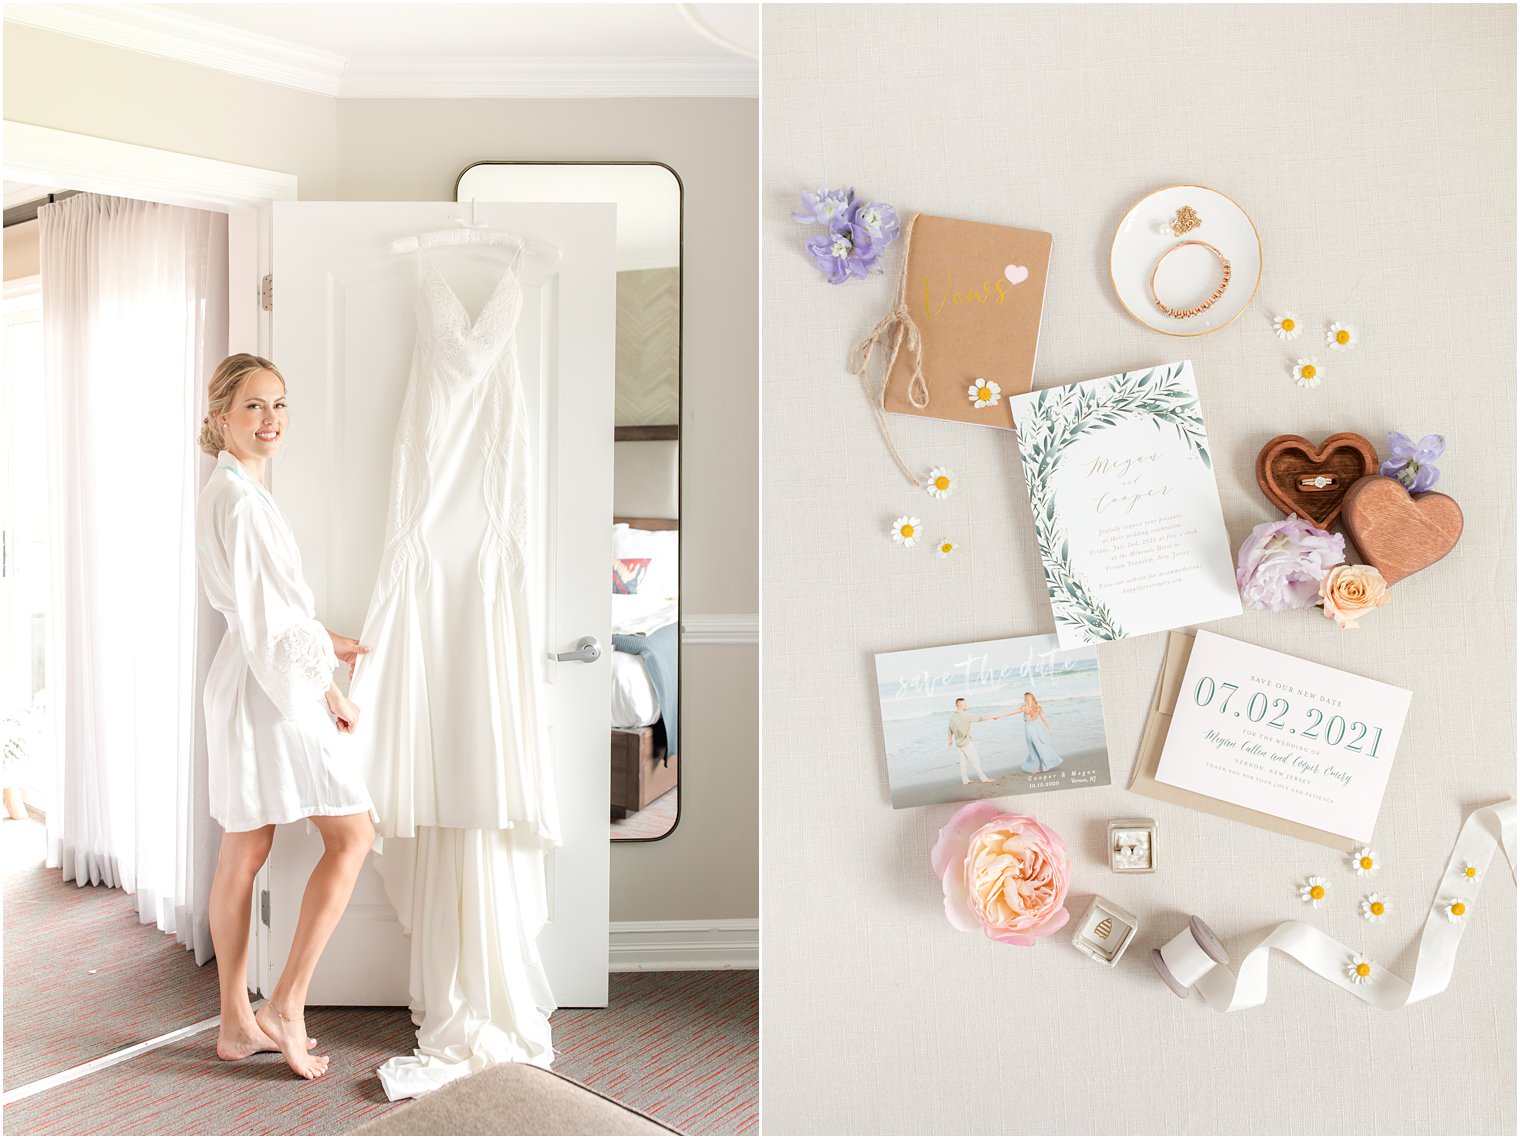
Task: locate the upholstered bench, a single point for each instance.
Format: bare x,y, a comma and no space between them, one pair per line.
513,1099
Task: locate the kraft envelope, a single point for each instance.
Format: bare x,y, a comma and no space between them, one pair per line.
1179,646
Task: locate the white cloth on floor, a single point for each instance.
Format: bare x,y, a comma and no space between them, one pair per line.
457,753
273,749
473,902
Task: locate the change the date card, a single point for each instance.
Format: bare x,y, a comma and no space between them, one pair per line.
1280,735
1126,511
992,718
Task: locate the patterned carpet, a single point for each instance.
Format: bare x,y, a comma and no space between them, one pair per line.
682,1047
83,977
654,821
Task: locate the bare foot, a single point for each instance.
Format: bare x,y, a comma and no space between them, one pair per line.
238,1042
290,1037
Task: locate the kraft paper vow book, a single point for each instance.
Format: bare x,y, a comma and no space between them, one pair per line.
975,291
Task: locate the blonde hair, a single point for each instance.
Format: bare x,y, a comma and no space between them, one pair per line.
1031,698
222,391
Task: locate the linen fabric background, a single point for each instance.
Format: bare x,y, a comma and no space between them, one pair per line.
1374,147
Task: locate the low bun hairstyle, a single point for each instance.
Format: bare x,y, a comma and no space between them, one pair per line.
221,393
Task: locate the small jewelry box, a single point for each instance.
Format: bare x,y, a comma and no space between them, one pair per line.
1132,846
1105,931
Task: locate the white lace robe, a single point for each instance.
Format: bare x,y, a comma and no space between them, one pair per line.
274,750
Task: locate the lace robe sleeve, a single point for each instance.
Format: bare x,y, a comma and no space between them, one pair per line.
288,650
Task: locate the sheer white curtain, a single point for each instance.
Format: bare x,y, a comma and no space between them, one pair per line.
134,314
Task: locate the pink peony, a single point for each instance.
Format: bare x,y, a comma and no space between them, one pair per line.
1005,875
1282,563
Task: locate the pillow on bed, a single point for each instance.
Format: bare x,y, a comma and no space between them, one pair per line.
663,550
627,573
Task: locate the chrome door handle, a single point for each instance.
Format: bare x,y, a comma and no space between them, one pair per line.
586,650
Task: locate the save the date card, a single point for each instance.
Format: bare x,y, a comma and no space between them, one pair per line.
991,718
1273,733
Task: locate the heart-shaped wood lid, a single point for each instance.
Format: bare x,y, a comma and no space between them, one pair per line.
1396,532
1288,460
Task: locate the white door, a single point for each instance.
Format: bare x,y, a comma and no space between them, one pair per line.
343,326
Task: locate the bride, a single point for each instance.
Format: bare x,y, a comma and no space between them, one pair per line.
273,716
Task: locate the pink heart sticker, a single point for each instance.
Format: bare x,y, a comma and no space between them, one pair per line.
1015,273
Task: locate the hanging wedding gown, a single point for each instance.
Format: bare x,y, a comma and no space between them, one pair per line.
456,754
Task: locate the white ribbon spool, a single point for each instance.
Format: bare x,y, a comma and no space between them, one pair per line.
1183,961
1485,831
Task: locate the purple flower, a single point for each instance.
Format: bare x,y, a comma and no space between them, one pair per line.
826,206
845,251
1282,563
1411,462
878,219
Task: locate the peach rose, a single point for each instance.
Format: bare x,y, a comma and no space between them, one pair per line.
1348,592
1005,875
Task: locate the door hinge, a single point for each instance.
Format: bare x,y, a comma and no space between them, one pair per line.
264,907
266,292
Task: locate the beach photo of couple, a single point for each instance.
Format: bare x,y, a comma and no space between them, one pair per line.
940,709
1042,752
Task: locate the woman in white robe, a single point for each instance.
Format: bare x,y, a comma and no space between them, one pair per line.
273,715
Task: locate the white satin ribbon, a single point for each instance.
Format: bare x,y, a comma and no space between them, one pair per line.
1486,830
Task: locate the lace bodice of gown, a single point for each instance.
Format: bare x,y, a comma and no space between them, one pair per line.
475,361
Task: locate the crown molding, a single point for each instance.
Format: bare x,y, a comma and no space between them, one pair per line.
205,43
189,40
552,77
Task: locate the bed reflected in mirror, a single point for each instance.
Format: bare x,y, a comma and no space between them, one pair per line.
644,742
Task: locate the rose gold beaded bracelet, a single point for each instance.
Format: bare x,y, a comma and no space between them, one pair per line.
1183,313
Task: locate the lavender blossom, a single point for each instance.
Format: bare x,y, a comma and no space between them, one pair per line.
826,206
1410,462
878,219
845,251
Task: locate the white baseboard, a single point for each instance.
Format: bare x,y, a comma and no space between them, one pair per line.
731,943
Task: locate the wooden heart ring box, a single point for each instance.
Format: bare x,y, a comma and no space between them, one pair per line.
1312,480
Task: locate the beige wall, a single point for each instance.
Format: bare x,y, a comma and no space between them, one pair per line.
21,250
364,150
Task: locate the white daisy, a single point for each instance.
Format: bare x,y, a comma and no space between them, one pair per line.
1470,872
1374,907
941,482
1307,373
984,393
1365,861
1455,909
905,531
946,547
1313,891
1360,970
1286,326
1340,336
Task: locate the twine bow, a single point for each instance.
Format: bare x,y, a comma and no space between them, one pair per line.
898,328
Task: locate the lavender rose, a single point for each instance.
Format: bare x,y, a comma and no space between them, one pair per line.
1282,564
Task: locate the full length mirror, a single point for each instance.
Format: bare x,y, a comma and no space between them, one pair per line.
644,719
